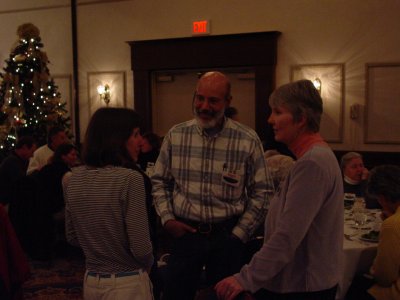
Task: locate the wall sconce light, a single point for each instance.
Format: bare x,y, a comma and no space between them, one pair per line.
317,84
104,93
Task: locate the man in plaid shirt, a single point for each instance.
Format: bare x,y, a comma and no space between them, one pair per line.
211,188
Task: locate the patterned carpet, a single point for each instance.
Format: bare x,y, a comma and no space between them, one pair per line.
58,279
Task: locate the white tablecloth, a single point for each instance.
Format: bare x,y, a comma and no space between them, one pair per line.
358,255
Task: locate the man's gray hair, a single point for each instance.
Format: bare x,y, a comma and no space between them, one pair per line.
346,158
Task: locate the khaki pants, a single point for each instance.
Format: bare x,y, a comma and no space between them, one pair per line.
134,287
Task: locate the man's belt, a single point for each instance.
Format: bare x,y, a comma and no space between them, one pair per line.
208,228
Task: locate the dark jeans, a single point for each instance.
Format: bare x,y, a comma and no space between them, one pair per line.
217,251
328,294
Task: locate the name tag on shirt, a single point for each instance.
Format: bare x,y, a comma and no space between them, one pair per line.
230,178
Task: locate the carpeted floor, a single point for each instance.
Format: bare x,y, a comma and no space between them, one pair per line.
61,279
58,279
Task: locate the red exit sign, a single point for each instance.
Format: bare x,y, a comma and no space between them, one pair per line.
201,27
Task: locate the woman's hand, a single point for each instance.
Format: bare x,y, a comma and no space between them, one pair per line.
177,229
228,288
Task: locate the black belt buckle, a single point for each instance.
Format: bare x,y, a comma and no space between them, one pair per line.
204,228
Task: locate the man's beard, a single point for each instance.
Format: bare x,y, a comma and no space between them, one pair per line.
216,117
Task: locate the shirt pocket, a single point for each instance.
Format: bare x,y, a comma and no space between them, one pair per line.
229,185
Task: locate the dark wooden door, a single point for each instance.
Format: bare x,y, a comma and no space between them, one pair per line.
256,51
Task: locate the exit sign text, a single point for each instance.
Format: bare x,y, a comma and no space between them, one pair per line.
201,27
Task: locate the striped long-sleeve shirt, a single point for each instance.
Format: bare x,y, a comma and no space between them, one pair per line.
211,179
106,215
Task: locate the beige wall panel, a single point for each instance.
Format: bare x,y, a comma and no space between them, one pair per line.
173,95
383,104
313,32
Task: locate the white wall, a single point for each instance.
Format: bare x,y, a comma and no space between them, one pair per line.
52,17
171,100
353,32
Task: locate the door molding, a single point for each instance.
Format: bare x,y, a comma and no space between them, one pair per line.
257,51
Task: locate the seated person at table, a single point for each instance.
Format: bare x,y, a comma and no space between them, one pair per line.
354,174
55,137
13,169
279,165
50,188
383,184
64,158
38,213
355,177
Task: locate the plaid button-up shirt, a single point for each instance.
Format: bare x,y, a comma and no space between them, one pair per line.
212,179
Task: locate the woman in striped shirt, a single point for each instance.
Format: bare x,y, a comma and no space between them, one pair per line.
106,209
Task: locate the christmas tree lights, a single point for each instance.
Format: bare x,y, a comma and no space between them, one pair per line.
29,99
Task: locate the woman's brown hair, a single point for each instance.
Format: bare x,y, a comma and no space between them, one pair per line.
106,136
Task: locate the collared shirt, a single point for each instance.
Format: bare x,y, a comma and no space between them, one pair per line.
211,179
39,159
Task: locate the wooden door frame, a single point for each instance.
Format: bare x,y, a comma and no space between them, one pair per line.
256,51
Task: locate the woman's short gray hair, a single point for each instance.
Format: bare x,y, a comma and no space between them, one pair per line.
346,158
302,99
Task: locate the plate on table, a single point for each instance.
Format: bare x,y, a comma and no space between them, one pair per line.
349,220
348,204
349,200
372,236
364,227
349,197
375,213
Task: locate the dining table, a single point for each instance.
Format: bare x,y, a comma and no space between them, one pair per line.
358,252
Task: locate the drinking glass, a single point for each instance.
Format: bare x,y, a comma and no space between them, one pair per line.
360,219
349,200
359,213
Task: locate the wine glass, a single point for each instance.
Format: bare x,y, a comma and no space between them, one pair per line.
359,213
360,219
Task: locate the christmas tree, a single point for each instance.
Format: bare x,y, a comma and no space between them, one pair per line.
29,101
